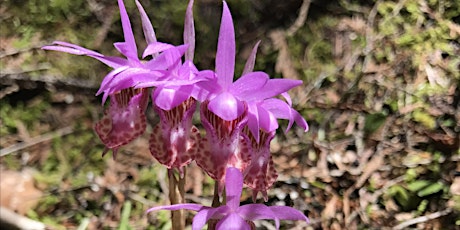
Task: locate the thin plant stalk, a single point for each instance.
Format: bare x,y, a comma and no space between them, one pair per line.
177,196
215,203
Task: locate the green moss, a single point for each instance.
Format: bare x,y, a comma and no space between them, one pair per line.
424,118
10,114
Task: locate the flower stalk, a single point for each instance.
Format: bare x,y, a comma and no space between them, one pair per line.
177,196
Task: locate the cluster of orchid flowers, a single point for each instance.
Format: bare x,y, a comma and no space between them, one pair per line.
240,118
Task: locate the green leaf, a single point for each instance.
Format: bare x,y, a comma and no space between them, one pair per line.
424,118
374,121
124,222
400,194
84,224
422,206
431,189
418,185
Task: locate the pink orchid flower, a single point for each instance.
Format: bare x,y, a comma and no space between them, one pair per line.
125,120
232,216
230,106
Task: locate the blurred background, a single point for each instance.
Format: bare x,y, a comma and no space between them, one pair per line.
381,95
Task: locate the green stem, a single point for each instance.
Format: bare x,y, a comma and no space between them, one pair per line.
215,203
176,196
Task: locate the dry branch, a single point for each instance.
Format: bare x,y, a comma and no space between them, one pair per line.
422,219
20,81
12,220
36,140
301,18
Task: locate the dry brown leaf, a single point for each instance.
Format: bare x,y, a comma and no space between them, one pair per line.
331,208
374,164
455,187
18,191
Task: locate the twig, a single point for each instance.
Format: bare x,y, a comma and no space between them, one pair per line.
25,81
373,165
84,224
13,220
39,67
106,17
422,219
9,90
25,50
374,197
36,140
140,199
300,21
284,63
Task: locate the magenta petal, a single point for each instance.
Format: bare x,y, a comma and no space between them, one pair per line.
210,85
204,215
288,213
147,27
267,121
233,187
287,97
188,71
109,78
83,50
248,85
233,221
226,106
300,121
190,67
278,107
276,87
67,50
114,62
125,79
253,120
258,212
167,99
225,56
249,66
282,110
158,63
127,48
189,32
194,207
168,58
164,83
156,47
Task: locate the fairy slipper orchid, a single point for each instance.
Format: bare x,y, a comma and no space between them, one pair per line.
229,107
232,216
125,120
174,140
223,112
